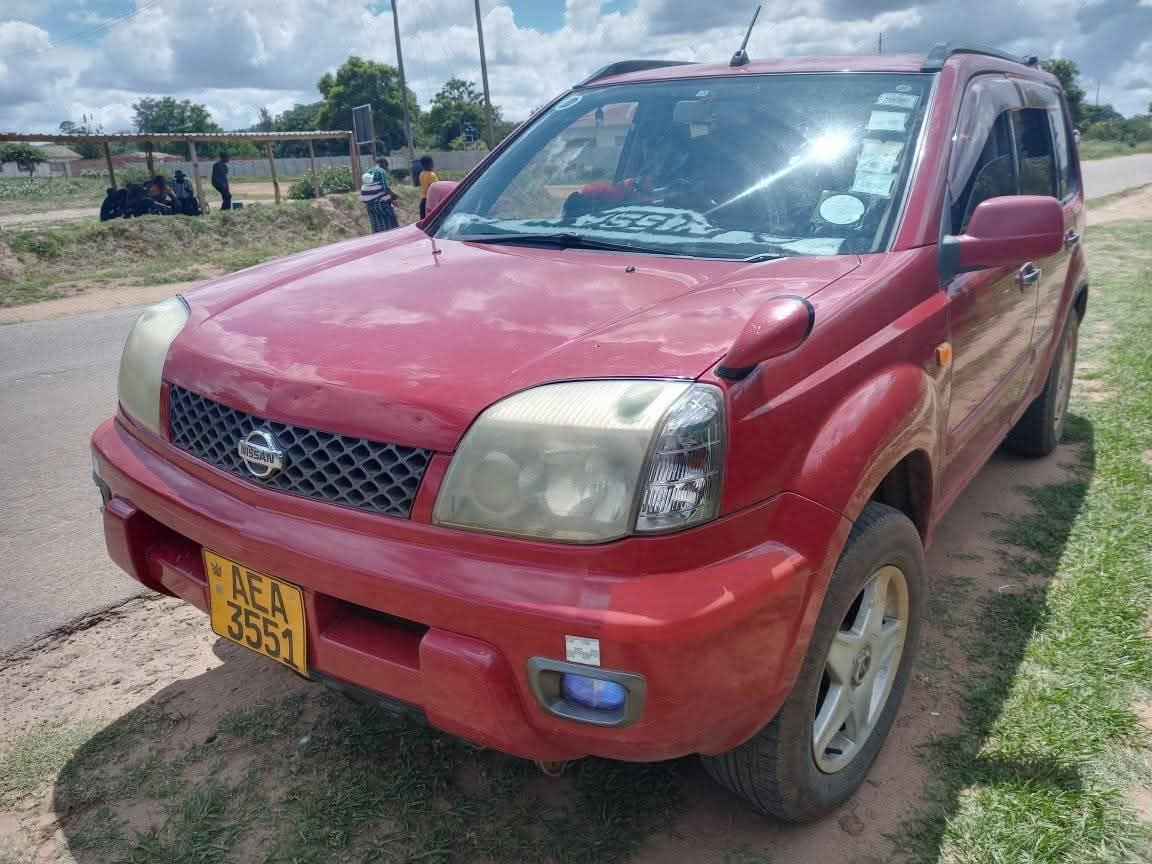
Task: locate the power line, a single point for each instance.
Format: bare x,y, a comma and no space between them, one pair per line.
102,28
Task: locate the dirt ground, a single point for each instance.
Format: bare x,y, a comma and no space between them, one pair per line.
158,655
98,298
1136,204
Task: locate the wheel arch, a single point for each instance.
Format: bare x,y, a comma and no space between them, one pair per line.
881,443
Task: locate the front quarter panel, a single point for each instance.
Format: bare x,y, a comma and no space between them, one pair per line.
829,420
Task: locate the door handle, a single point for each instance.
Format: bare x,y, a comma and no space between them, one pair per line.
1071,239
1027,275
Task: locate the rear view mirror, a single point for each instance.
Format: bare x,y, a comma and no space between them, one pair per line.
1005,231
438,193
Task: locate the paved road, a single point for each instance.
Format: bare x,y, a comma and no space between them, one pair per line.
57,381
1108,176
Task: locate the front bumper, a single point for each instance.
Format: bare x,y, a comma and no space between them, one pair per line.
715,620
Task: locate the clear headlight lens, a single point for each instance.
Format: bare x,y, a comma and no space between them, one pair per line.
570,461
142,363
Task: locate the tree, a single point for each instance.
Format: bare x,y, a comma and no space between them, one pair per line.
457,117
1093,114
265,122
1068,73
172,115
25,156
365,82
168,115
87,150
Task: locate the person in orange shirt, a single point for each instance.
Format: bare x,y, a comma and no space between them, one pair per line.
427,178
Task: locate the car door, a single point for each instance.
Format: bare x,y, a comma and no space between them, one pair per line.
991,311
1048,167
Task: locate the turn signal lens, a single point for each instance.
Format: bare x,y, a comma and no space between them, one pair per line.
681,484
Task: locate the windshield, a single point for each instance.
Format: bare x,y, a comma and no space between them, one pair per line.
732,167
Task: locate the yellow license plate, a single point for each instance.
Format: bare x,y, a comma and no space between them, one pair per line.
257,611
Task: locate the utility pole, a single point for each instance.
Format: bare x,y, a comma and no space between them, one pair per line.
484,78
403,88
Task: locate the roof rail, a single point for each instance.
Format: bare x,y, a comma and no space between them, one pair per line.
941,51
623,67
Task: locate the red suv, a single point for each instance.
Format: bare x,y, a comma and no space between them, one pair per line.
632,447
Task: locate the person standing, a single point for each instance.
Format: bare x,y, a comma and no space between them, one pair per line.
376,196
220,181
427,178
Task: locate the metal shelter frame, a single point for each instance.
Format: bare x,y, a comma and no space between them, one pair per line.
267,138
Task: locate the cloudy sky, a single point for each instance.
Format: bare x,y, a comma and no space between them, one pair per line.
60,59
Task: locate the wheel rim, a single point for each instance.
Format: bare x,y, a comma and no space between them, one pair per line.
860,669
1064,383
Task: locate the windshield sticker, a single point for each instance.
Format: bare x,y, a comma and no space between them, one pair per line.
879,157
841,209
898,100
568,101
873,184
645,225
887,121
658,220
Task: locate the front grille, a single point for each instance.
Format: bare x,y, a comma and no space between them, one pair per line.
338,469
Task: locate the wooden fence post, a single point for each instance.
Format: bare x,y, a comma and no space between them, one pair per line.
196,174
108,159
354,154
151,164
272,165
312,167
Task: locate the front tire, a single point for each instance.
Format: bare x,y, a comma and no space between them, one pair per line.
818,749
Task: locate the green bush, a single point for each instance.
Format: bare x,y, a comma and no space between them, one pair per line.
133,175
337,179
302,189
332,181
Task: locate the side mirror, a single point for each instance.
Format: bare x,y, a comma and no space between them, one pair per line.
438,193
1005,231
777,327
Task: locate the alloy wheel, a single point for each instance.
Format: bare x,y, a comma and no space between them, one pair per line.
860,669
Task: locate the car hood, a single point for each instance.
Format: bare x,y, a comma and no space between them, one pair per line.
404,339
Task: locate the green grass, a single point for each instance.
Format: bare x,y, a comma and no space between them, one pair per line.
1051,741
1091,148
314,778
33,195
46,262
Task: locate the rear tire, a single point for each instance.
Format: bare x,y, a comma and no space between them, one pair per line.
1037,433
798,767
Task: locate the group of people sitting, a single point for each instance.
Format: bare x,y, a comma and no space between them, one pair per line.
157,197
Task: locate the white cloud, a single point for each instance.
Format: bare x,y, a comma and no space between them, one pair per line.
236,57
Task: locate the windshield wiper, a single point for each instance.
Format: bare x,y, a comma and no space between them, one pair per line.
563,240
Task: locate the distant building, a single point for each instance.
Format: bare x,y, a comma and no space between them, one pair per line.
58,161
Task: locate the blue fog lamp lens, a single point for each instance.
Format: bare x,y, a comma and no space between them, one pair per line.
594,693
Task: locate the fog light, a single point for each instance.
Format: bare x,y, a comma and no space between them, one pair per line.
594,693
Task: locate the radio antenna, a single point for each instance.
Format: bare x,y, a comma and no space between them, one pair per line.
740,58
